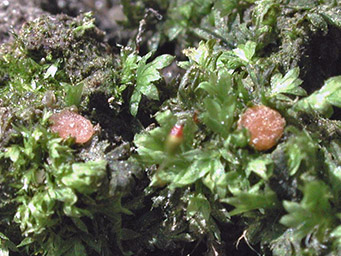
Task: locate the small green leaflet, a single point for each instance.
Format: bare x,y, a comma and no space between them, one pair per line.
195,171
259,167
336,234
86,177
289,84
13,153
251,200
322,100
73,93
216,179
265,13
246,51
202,55
129,65
198,205
80,224
78,249
146,74
312,214
220,104
299,148
6,245
335,97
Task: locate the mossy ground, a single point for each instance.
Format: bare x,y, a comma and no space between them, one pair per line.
198,64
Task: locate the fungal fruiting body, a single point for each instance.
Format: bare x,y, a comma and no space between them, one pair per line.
265,126
175,138
70,124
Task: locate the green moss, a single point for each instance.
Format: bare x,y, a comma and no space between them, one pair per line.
288,186
103,198
56,195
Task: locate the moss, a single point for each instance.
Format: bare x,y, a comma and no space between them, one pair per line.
124,192
54,63
77,41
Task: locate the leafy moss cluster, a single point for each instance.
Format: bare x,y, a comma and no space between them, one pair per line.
58,198
133,192
288,196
